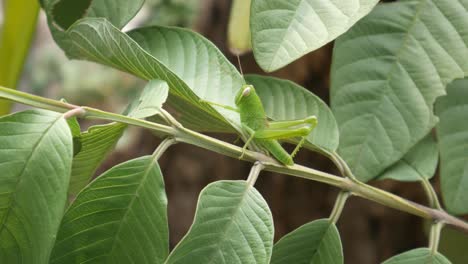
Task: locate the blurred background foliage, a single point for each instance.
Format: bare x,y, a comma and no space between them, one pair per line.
370,232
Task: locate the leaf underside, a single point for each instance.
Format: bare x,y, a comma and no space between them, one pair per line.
420,162
316,242
452,132
283,31
36,151
233,224
387,72
119,218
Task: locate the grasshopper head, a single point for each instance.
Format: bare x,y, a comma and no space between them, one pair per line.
245,91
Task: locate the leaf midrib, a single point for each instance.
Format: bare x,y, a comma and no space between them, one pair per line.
387,86
151,165
225,231
20,177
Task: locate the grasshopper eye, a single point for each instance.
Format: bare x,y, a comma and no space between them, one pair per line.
246,91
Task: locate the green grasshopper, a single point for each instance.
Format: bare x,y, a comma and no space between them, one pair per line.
265,133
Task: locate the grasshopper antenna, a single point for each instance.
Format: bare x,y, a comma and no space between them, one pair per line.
240,65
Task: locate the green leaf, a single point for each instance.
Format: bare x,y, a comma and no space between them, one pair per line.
191,65
316,242
151,100
35,163
452,132
74,126
285,100
283,31
19,24
118,12
119,218
99,140
418,256
387,72
76,134
66,12
233,224
420,162
96,143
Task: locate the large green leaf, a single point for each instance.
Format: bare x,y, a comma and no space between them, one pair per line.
316,242
420,162
418,256
119,218
233,224
96,143
283,31
452,132
285,100
387,72
191,65
35,163
16,33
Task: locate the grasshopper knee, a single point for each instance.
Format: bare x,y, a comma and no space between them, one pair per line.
311,120
305,130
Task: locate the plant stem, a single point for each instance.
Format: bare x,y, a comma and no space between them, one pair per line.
431,194
339,205
254,172
163,146
434,236
181,134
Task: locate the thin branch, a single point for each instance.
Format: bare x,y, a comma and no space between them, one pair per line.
434,236
254,172
431,194
163,146
74,112
339,206
181,134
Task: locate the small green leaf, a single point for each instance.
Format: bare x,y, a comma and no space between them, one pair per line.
35,163
76,134
119,218
420,162
233,224
283,31
151,100
96,143
452,132
418,256
316,242
74,126
285,100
